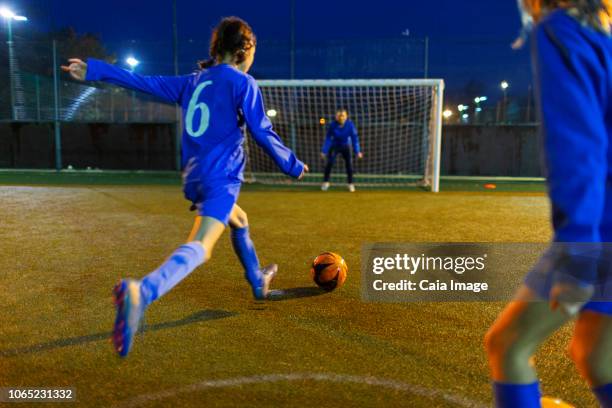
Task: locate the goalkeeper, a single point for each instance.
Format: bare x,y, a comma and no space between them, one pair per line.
341,135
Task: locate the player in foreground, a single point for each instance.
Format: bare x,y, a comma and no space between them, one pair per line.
217,101
573,69
341,135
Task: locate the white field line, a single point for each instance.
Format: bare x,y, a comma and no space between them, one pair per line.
433,394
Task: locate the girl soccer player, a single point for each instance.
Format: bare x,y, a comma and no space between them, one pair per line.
573,68
216,102
341,134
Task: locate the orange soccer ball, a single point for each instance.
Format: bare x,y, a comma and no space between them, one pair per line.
329,271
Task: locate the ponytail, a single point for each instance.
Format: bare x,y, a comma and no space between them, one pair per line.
205,64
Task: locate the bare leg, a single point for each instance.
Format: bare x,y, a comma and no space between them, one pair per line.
516,334
591,347
207,231
238,218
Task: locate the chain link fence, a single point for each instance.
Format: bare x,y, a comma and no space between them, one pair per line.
33,91
29,92
33,88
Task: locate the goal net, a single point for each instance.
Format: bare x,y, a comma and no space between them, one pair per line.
399,123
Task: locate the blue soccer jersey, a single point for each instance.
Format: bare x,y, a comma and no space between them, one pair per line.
573,70
341,136
216,104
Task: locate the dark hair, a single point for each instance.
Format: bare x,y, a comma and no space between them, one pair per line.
596,13
232,36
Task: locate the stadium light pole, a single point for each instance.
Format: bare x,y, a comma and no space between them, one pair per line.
447,114
132,63
293,130
528,113
178,130
10,16
174,38
504,85
292,39
426,63
463,113
478,108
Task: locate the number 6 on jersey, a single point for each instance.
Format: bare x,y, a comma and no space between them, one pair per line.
194,106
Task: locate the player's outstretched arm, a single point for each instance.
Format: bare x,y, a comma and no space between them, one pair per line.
77,69
261,128
168,88
355,141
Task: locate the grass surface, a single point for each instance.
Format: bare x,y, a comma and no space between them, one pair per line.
64,247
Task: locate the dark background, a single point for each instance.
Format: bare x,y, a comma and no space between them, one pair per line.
465,43
468,40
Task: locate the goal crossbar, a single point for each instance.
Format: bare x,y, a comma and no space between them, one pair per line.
349,82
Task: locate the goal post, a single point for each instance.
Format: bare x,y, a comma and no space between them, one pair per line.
399,122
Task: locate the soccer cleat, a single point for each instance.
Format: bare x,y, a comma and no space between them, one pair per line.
269,273
130,310
325,186
351,188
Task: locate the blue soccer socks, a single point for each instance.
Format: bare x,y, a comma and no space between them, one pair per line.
604,395
176,268
244,248
517,395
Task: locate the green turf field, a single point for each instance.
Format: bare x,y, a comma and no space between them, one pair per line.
207,343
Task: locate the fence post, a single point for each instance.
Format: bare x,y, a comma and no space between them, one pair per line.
529,91
292,45
12,67
37,81
56,116
426,67
178,129
112,105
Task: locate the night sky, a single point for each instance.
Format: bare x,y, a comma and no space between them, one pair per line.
469,40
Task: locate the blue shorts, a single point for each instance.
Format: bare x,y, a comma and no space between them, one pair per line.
599,307
214,199
541,279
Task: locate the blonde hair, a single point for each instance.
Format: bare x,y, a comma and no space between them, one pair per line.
595,13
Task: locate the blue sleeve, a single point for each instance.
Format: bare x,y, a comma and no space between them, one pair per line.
570,77
328,140
355,139
168,88
261,130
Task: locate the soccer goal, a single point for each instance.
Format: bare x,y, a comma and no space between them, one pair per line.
399,124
